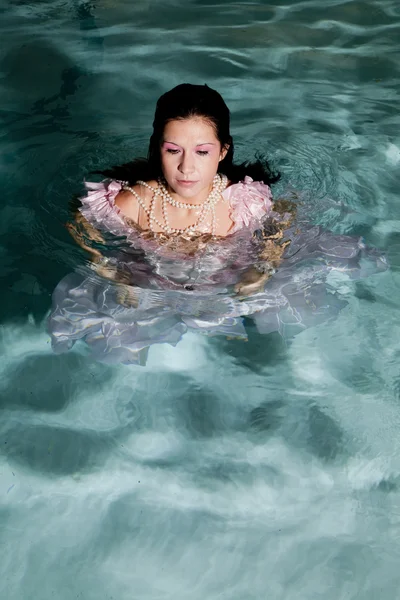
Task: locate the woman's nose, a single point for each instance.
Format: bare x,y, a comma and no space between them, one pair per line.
187,164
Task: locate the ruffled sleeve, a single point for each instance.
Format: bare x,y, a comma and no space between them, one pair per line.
98,206
250,201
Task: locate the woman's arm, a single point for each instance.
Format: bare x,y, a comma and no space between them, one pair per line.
272,247
82,231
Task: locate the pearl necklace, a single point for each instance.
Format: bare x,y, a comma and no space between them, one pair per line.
219,184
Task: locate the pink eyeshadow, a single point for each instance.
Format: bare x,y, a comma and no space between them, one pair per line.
170,146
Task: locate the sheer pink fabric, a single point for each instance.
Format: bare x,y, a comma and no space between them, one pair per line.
176,290
249,201
99,207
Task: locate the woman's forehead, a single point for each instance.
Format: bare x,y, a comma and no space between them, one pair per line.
196,130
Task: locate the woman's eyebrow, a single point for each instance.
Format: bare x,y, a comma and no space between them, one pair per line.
201,145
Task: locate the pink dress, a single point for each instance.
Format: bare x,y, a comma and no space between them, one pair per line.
249,202
179,287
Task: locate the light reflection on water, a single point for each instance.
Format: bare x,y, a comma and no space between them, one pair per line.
222,469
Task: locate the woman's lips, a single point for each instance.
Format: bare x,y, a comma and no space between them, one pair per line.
186,183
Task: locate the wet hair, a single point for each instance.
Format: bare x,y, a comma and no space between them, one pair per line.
183,102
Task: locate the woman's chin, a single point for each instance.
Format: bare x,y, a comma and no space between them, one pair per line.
188,190
187,186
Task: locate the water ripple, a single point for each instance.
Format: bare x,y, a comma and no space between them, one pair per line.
221,469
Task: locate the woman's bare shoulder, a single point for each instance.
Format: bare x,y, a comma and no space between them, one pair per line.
127,199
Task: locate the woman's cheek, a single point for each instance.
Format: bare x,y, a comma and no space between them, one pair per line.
169,161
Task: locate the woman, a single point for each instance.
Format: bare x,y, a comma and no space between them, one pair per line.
202,237
188,185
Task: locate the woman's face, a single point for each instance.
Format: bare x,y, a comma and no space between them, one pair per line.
190,154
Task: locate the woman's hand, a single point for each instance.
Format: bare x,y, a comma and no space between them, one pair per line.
127,296
253,281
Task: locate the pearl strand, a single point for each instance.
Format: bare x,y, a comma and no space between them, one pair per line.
170,229
148,212
219,184
217,187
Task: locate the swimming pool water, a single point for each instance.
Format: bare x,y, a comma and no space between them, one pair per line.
222,469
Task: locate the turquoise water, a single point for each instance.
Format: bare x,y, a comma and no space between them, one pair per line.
222,469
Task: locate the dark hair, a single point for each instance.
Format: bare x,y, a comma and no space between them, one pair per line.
182,102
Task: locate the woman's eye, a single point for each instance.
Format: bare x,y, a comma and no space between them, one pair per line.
172,151
202,152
